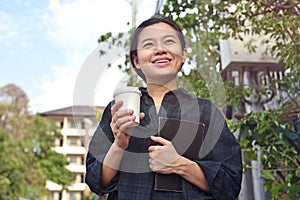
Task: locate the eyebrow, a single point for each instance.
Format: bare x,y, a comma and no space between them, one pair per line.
150,39
145,40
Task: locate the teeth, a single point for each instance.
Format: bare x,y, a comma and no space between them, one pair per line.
162,61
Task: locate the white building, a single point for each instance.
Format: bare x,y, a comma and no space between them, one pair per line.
77,125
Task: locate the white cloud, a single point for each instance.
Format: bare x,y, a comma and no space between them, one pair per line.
79,23
5,21
58,88
8,28
75,26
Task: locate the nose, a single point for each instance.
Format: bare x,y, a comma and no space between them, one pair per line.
160,49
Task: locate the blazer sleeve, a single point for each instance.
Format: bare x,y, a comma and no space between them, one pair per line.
222,164
98,147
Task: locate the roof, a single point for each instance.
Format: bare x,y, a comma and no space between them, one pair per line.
84,111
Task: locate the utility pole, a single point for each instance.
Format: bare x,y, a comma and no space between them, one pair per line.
159,4
132,74
133,13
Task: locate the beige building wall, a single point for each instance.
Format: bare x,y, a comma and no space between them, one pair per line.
76,132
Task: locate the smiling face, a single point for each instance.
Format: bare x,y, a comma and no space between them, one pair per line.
160,55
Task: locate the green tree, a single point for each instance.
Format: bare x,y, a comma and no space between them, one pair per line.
26,153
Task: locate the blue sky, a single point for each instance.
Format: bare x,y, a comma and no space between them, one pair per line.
44,43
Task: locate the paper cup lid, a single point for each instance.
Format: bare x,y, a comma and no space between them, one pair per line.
127,89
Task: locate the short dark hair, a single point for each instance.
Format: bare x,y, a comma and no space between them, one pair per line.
146,23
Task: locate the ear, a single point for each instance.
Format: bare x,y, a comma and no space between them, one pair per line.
136,62
184,55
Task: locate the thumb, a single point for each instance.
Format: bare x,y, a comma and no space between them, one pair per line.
160,140
142,115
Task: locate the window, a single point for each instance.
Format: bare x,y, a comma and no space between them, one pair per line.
51,196
73,159
72,195
82,178
73,124
73,141
60,195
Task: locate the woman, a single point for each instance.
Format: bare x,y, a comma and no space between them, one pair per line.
123,159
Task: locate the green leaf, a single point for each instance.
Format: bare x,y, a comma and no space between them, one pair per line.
288,178
268,175
276,189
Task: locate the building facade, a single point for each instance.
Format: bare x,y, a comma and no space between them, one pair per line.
258,71
77,125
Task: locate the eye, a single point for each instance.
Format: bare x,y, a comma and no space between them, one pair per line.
148,45
170,41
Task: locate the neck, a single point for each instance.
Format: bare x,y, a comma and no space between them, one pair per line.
157,91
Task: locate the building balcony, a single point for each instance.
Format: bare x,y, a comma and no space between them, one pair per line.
236,56
77,168
51,186
74,150
77,132
77,187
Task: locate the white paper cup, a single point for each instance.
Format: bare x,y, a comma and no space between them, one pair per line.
131,100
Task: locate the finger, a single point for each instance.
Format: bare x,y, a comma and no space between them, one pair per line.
127,127
155,166
153,148
151,167
160,140
124,118
116,107
122,113
150,149
114,127
151,164
142,115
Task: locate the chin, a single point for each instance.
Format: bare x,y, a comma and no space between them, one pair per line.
162,79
